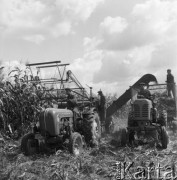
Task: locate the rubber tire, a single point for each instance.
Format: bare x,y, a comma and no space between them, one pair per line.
123,136
164,137
96,129
25,144
92,129
73,139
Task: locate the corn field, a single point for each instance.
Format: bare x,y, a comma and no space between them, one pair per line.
20,103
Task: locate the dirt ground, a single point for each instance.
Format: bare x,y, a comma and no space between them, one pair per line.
94,164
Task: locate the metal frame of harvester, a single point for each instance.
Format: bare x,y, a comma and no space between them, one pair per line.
65,78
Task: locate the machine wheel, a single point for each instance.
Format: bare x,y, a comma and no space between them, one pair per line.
29,145
164,137
96,130
92,129
123,136
76,144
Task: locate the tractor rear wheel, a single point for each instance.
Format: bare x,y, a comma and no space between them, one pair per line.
164,137
76,144
92,129
96,130
29,144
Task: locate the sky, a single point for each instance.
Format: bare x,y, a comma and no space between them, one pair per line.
109,44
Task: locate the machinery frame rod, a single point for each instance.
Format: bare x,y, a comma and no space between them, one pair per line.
35,64
63,89
48,81
157,84
52,66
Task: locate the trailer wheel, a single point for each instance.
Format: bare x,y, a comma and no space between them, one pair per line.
123,136
164,137
29,145
76,144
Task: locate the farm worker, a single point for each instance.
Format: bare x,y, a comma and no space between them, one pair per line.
109,124
71,100
144,92
102,107
170,83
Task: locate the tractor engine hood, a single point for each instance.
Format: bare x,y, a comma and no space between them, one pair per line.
50,120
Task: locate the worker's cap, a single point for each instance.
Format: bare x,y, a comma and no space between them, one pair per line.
168,70
100,92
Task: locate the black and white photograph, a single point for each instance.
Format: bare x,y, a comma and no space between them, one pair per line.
88,90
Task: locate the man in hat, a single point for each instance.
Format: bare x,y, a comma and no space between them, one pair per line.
144,91
71,100
102,107
170,84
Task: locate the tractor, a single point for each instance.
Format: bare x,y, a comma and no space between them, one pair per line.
145,118
59,128
145,121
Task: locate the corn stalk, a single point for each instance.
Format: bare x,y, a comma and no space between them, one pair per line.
21,103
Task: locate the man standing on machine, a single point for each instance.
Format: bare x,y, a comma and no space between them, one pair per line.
170,84
102,107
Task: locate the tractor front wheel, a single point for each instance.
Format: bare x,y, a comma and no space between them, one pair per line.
76,144
29,144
